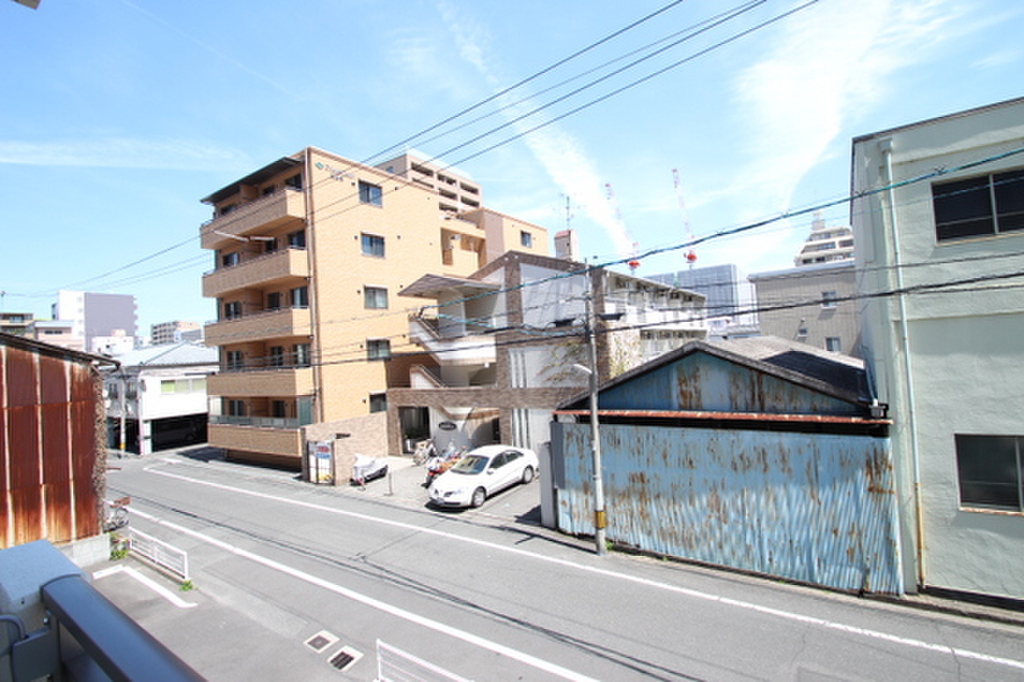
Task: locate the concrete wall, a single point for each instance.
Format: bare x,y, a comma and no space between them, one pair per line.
959,371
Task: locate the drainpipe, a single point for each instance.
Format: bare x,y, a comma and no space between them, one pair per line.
904,344
314,299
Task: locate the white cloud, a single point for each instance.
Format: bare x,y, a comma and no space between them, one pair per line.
831,62
122,153
561,155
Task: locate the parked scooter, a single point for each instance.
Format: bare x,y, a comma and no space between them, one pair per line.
440,463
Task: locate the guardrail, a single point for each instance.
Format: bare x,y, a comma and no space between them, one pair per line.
164,555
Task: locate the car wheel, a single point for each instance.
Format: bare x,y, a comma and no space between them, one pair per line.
527,475
479,495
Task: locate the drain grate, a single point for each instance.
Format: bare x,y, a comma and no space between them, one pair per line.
345,657
321,641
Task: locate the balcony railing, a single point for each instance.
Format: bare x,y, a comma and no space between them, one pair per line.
262,382
261,215
262,422
265,324
279,266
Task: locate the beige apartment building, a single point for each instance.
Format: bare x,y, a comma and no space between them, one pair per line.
310,253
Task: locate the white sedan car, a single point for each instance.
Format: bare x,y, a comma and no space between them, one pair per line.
481,473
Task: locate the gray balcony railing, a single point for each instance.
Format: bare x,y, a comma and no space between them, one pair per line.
264,422
110,645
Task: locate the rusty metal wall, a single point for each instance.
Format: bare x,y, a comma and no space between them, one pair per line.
810,507
48,448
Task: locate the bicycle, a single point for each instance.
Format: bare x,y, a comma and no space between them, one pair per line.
424,450
117,514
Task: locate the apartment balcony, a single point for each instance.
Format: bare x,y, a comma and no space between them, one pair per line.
269,324
260,216
462,350
262,383
259,272
264,441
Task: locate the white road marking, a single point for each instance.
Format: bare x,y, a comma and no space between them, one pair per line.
747,606
148,582
396,611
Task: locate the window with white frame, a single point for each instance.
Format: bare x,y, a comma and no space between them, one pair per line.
990,471
378,349
302,356
834,344
828,299
373,245
979,206
370,194
375,297
300,297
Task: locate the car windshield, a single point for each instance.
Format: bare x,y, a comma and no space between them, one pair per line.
471,464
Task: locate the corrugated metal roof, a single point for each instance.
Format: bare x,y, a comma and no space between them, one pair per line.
835,374
184,353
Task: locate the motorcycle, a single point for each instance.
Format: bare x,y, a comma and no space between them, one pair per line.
440,463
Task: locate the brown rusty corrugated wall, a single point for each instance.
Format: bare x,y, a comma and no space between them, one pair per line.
50,477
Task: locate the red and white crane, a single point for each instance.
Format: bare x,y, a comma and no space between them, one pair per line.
691,255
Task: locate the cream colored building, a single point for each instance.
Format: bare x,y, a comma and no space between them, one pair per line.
939,270
310,254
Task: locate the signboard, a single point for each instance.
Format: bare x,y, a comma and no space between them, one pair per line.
321,461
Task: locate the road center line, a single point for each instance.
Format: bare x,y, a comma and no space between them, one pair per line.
747,606
390,609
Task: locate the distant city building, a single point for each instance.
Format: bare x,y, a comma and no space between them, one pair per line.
175,332
16,324
567,245
812,304
56,332
118,343
730,297
825,244
94,315
156,399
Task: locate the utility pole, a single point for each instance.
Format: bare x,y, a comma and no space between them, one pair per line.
600,520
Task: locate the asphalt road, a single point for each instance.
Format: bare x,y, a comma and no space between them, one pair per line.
290,575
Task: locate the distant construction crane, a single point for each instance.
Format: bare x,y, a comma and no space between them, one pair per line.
691,255
633,261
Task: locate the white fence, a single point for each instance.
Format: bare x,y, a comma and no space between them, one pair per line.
167,557
395,665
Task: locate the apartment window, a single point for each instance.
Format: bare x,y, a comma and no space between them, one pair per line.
986,205
267,191
370,194
270,245
526,239
378,402
233,359
834,344
990,471
236,408
274,300
378,349
112,391
297,240
375,297
278,409
229,259
373,245
828,299
232,310
801,331
295,181
300,297
277,356
302,357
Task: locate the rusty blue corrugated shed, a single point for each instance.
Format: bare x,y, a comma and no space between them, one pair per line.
811,501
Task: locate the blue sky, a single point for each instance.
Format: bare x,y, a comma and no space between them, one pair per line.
118,116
